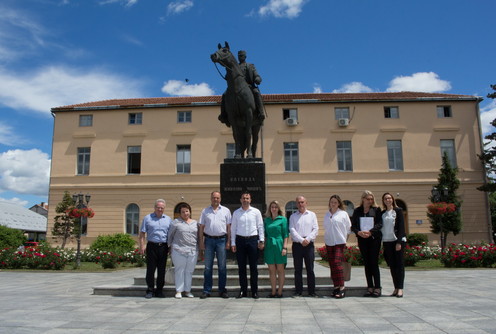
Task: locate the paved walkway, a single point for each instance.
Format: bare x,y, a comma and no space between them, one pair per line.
441,301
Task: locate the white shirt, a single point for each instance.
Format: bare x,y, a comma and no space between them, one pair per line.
215,221
303,226
388,221
247,223
337,227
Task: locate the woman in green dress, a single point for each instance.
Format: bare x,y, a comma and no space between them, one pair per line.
276,242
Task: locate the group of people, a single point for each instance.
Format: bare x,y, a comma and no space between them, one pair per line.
245,232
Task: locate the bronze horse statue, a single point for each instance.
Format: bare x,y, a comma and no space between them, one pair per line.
239,105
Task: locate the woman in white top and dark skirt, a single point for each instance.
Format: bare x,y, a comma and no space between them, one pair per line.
394,241
337,227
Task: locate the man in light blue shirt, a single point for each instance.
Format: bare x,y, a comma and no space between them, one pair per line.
155,228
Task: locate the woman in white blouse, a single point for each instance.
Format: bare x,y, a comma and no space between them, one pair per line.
183,243
337,227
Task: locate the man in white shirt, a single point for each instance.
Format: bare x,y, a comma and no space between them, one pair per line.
215,233
303,227
247,236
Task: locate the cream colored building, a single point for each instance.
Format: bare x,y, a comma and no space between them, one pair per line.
127,153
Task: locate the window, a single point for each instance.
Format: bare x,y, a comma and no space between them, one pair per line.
291,162
395,155
290,208
83,160
136,118
391,112
290,113
85,120
183,158
345,161
341,112
184,116
448,147
230,150
349,207
132,219
134,159
444,111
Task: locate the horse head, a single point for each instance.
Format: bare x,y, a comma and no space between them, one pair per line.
223,56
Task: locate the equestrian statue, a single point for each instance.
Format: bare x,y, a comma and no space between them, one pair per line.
241,106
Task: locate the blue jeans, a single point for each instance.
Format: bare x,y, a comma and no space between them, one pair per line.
213,247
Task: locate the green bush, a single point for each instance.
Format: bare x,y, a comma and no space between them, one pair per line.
417,239
119,243
11,238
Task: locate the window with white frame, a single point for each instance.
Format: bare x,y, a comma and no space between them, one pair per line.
448,147
391,112
444,111
83,160
290,113
341,112
291,160
183,159
345,160
132,219
184,116
85,120
136,118
395,155
134,159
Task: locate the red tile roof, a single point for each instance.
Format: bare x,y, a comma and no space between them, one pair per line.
267,98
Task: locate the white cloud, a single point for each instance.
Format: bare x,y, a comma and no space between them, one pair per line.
419,82
177,7
25,172
317,89
282,8
15,200
487,115
8,136
180,88
353,87
127,3
58,86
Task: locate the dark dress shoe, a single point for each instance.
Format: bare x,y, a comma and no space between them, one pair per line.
224,295
297,294
204,295
159,294
149,295
313,294
241,295
254,295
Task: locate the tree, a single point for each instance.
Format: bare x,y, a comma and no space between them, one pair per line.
488,156
64,226
492,205
447,222
11,238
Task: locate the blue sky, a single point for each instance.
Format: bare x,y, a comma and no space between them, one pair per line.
60,52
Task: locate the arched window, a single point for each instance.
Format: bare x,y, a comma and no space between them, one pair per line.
349,207
290,208
132,219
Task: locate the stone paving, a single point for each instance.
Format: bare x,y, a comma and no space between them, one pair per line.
437,301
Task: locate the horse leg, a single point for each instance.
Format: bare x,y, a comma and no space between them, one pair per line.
238,154
255,130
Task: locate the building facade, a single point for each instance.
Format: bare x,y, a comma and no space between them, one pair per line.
127,153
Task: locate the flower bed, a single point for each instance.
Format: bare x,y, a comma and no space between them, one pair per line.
469,256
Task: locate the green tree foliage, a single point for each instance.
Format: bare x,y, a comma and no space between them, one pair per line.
64,226
492,205
488,156
11,238
450,221
119,243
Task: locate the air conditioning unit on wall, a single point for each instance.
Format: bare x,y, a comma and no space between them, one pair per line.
343,122
291,121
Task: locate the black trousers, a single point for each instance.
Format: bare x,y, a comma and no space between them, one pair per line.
306,254
247,249
370,249
395,262
156,260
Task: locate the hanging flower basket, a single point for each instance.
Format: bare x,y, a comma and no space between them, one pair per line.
78,213
441,208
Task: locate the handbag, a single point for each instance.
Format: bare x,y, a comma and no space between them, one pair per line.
346,270
170,275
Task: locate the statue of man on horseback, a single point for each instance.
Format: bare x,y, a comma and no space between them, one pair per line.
241,106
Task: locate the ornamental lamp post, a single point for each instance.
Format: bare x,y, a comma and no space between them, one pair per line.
440,195
79,202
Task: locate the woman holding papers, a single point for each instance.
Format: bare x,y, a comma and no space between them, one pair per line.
337,227
366,223
393,231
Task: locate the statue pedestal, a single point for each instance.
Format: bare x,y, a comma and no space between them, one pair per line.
240,175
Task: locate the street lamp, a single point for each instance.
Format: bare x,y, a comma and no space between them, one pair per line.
79,201
440,195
